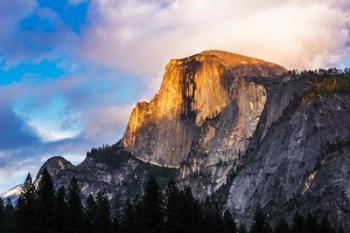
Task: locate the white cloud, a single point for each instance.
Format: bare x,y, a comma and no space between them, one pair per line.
141,36
48,134
101,119
16,170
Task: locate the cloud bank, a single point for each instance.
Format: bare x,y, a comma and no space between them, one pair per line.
140,36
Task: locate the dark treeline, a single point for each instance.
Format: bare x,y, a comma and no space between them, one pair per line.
113,155
42,210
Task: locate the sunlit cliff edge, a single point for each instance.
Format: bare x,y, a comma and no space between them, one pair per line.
194,90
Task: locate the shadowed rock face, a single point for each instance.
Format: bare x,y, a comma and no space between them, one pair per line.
55,165
196,90
119,174
301,164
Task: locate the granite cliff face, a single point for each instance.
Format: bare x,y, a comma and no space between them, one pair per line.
247,132
194,91
239,129
202,118
300,162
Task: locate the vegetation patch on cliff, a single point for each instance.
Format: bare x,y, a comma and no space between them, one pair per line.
329,82
115,157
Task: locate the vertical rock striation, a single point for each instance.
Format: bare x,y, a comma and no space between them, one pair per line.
205,103
202,118
300,162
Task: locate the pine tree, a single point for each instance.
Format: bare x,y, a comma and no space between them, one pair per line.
115,223
340,230
298,224
229,225
2,215
74,213
326,226
26,207
103,213
191,216
172,208
311,224
10,224
116,202
282,227
45,212
242,229
260,224
149,209
128,218
60,210
211,217
90,213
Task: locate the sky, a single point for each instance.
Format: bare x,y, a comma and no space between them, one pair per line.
71,70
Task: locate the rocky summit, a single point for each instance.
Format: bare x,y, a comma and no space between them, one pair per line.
203,117
242,130
195,91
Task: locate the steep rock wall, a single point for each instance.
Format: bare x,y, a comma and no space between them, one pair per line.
299,162
205,104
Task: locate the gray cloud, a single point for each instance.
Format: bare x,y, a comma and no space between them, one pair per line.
102,112
15,132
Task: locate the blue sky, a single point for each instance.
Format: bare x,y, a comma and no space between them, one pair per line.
51,99
71,70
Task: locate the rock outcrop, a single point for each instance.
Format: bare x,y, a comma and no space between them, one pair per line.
194,91
300,162
203,116
119,174
55,165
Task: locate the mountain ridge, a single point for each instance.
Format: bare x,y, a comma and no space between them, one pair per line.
229,58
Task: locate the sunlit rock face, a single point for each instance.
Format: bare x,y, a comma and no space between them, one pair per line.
206,105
